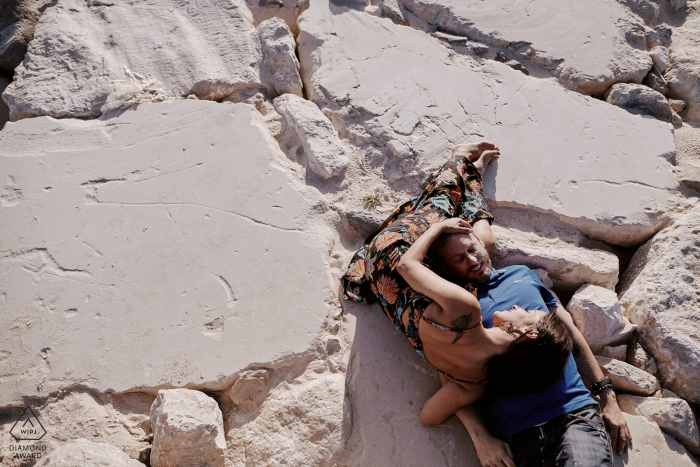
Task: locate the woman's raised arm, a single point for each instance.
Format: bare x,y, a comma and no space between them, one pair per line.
448,295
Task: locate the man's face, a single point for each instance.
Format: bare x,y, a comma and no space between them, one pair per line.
521,318
466,258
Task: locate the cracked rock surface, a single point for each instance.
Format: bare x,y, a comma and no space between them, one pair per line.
99,210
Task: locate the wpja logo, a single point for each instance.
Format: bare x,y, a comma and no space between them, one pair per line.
27,428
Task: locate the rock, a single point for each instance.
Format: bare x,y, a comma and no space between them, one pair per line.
628,379
656,82
4,109
150,227
660,57
645,9
677,105
287,10
279,56
668,393
677,4
300,424
543,276
85,453
585,62
660,291
321,142
568,266
637,356
393,10
364,88
162,42
618,352
516,65
683,75
250,389
674,416
361,224
188,429
398,149
651,447
689,175
640,98
17,21
598,315
659,36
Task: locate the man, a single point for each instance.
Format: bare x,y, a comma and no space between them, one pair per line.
558,424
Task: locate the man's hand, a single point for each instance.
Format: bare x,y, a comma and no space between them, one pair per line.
454,225
492,451
620,435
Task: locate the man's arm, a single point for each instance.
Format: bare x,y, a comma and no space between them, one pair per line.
588,368
482,229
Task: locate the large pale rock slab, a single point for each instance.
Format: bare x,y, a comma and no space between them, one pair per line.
169,223
660,292
674,416
188,429
651,447
598,315
637,97
279,56
628,379
582,43
568,266
380,82
17,21
683,74
85,453
320,140
80,50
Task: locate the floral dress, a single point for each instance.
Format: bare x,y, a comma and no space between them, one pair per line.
456,191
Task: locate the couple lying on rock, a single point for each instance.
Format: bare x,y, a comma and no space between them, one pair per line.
510,359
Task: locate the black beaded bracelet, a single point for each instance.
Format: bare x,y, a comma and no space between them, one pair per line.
601,386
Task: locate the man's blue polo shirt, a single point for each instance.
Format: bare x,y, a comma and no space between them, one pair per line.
518,285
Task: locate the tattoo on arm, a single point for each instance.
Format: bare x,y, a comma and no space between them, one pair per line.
462,323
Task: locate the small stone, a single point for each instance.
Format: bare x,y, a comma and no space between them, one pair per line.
638,357
192,97
656,82
332,345
598,315
320,140
677,105
247,387
361,224
618,352
661,35
668,393
279,56
626,378
188,429
677,4
651,447
645,9
674,416
640,98
690,176
516,65
543,276
398,149
501,57
660,57
84,453
393,10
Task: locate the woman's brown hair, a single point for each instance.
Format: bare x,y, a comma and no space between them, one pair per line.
531,365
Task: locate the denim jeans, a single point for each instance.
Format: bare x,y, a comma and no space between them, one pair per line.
577,438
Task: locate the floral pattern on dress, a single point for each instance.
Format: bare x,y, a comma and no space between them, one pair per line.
456,191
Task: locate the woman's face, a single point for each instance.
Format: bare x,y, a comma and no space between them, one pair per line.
521,318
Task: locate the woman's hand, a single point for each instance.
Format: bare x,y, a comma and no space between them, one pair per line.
454,225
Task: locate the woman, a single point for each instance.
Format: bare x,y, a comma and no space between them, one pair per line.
533,342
